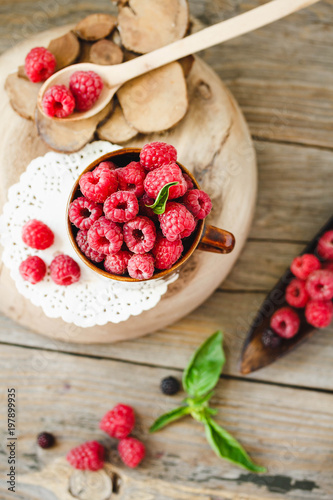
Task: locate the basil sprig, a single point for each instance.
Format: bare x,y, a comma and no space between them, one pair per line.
158,207
199,379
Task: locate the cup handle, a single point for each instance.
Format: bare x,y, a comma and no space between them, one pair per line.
216,240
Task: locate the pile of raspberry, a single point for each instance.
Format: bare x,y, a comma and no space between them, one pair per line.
116,227
309,293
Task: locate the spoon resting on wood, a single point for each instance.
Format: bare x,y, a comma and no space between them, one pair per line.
116,75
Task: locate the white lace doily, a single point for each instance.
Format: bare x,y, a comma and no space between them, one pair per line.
42,194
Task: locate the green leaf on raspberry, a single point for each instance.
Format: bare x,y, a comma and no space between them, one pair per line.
159,204
169,417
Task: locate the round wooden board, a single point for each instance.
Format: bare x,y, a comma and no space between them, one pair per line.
213,142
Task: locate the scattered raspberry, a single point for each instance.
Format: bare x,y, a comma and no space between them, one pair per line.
325,246
198,203
156,179
328,265
40,64
121,206
58,101
131,178
166,252
86,87
170,386
144,210
82,241
45,440
270,339
141,267
64,270
304,265
118,422
139,235
33,269
131,451
176,222
117,262
285,322
319,313
37,235
83,212
105,236
99,184
189,182
319,285
87,456
296,294
156,154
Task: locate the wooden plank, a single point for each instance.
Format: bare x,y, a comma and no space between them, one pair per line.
288,430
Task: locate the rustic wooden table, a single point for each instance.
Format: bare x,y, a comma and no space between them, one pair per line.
282,77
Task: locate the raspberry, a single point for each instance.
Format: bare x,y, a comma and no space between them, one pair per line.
166,252
170,386
105,236
121,206
176,222
189,182
319,313
83,212
58,101
270,339
131,451
109,164
325,246
86,87
33,269
37,235
45,440
64,270
141,267
99,184
158,178
144,210
296,294
40,64
198,203
156,154
117,263
87,456
131,178
118,422
304,265
82,242
285,322
328,266
319,285
139,234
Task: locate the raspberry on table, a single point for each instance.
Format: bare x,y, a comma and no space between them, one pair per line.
121,206
40,64
33,269
99,184
131,178
141,267
198,203
285,322
117,263
303,265
156,154
83,212
105,236
270,339
139,234
170,386
37,235
176,222
87,456
118,422
189,181
319,313
82,242
319,285
296,294
158,178
45,440
86,87
131,451
166,252
64,270
58,101
325,246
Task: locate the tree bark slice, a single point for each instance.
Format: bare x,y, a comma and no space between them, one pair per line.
65,49
95,27
116,129
106,52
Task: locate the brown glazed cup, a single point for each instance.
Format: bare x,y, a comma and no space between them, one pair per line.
205,237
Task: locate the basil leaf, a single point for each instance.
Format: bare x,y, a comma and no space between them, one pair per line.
225,446
169,417
159,204
205,366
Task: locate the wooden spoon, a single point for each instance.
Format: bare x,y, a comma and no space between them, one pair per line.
116,75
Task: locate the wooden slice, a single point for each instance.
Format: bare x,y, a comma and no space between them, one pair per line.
212,141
